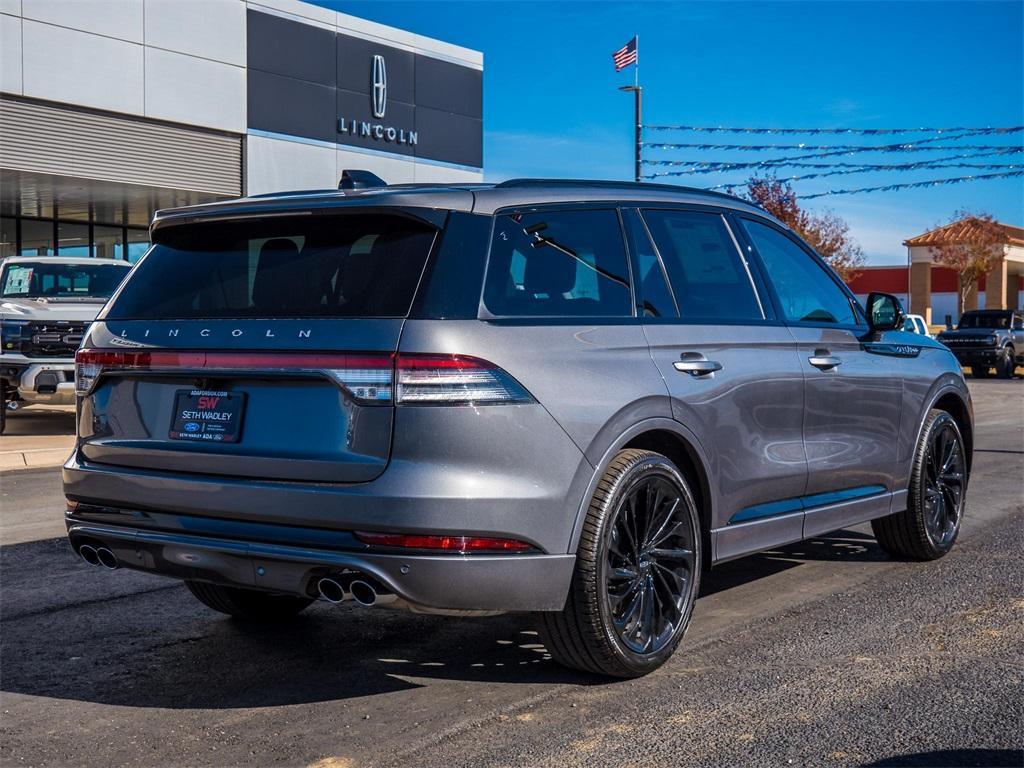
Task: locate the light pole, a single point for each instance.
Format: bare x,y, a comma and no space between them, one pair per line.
638,94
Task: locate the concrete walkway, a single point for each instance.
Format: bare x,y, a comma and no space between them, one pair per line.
39,436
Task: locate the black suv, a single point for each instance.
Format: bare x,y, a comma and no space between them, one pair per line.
987,339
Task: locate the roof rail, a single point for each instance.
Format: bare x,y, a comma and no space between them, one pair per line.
604,183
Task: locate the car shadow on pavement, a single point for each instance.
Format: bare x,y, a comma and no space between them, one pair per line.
126,638
953,758
41,421
71,631
840,546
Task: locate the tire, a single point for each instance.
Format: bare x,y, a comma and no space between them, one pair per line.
3,407
929,526
1006,363
980,371
249,604
595,631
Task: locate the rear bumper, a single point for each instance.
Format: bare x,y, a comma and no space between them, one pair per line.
522,582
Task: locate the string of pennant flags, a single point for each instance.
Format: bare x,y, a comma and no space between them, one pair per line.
817,157
866,169
706,166
915,184
986,131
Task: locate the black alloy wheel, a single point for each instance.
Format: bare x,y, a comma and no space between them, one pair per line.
637,574
929,526
944,480
649,566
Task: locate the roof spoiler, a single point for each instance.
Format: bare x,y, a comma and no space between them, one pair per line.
356,179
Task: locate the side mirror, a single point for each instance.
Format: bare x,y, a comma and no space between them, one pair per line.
885,313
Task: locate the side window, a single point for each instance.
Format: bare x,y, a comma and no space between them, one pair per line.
806,291
707,273
558,263
653,294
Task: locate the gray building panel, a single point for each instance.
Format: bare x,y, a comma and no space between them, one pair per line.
449,138
296,87
290,48
295,107
449,87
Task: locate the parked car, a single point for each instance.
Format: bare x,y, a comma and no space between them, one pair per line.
916,324
46,303
987,339
568,398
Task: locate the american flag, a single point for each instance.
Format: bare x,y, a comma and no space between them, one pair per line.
625,56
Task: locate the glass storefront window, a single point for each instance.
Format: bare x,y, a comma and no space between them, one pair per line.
36,237
73,239
108,242
8,236
138,244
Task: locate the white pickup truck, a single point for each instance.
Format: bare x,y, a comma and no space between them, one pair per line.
46,304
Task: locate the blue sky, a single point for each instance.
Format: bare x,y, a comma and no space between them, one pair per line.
551,105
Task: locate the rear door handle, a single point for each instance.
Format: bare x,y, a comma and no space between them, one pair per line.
823,360
695,364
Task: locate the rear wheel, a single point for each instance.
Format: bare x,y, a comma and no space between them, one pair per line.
637,572
248,604
1005,363
929,526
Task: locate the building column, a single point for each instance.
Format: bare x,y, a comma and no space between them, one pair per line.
995,287
921,290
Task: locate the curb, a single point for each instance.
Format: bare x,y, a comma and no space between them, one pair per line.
39,458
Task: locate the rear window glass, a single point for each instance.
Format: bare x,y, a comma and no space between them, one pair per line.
707,274
558,263
324,266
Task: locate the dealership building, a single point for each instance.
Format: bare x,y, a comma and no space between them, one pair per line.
112,109
932,290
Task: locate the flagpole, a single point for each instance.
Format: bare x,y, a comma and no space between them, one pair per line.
637,90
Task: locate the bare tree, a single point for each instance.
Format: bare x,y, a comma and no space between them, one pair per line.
971,244
826,232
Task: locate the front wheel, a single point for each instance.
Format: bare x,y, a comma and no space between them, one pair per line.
637,572
1006,363
929,526
250,604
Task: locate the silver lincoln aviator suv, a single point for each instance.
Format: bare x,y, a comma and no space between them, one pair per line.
569,398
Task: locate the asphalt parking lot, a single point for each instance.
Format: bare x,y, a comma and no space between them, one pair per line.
822,653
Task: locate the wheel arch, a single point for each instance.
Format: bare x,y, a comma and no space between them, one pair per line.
677,443
956,406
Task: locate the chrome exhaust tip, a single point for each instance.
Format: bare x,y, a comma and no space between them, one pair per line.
89,554
363,592
330,590
368,593
106,558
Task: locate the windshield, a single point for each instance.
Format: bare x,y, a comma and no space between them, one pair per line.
985,320
350,265
48,280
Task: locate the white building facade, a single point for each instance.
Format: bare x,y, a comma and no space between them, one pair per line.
111,109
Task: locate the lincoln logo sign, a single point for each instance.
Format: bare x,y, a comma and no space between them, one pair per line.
380,87
368,129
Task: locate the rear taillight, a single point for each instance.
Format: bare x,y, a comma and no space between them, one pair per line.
370,378
444,543
455,380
